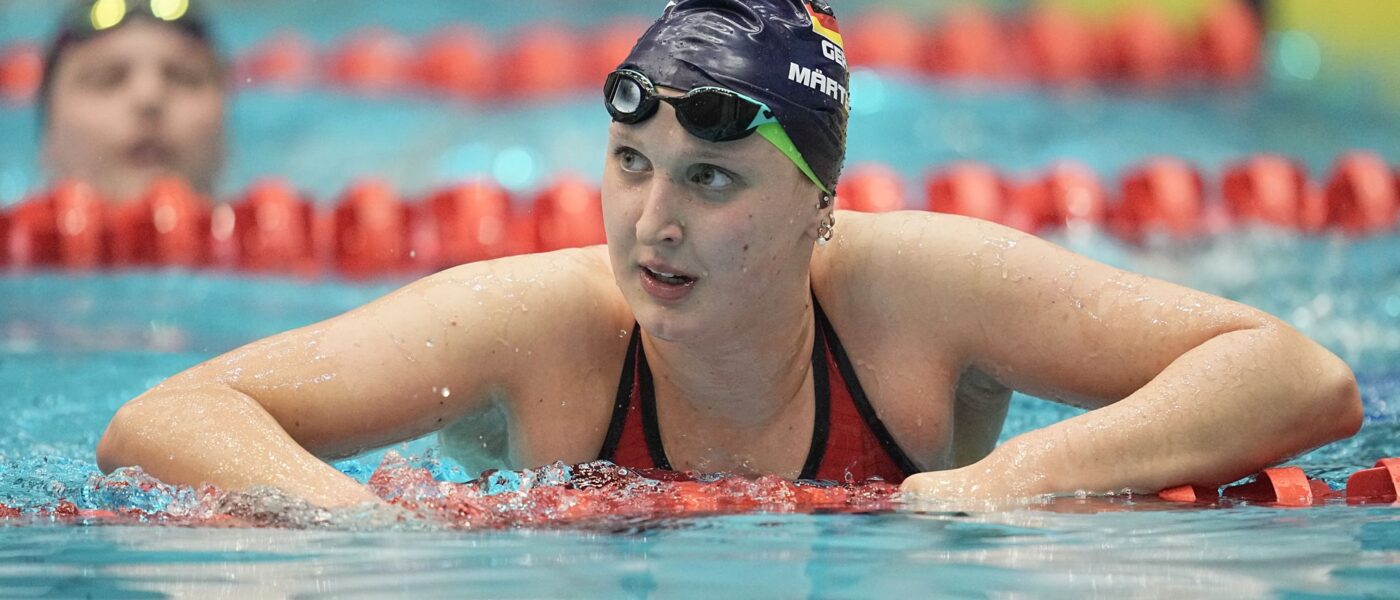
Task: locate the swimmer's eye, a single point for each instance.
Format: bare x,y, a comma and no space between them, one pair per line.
105,77
710,176
188,76
631,161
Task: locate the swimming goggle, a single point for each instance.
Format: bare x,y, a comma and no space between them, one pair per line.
713,114
102,15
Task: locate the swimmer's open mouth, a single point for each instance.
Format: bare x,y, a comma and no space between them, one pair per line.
668,278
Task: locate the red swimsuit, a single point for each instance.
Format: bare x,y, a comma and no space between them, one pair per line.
849,443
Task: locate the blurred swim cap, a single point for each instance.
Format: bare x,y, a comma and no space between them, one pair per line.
787,54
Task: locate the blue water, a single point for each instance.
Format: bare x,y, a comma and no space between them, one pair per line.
75,347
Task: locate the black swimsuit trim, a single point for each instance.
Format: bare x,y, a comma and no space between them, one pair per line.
624,397
867,412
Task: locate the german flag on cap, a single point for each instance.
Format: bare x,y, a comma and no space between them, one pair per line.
824,22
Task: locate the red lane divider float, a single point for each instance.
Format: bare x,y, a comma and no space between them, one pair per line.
1165,194
1059,47
4,240
63,228
371,231
1378,484
870,188
1044,44
1290,486
568,214
21,71
546,60
969,42
560,494
968,189
169,226
466,223
1068,196
1361,196
457,62
271,228
285,61
1272,190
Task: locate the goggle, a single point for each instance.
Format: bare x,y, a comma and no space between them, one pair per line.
102,15
713,114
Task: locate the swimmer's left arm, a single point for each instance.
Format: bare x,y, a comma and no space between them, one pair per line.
1184,387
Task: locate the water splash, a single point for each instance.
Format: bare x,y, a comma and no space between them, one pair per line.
416,496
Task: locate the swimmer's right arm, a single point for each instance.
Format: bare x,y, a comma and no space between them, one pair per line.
397,368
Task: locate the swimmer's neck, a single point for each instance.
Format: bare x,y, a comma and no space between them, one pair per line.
744,379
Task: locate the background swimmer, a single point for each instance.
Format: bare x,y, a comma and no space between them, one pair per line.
132,91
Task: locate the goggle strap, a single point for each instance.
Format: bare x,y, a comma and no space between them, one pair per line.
773,132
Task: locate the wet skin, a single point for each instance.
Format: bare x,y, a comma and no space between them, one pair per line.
942,316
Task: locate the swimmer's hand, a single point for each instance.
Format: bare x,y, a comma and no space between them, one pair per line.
976,487
971,483
272,507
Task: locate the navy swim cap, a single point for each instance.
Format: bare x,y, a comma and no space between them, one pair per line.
786,53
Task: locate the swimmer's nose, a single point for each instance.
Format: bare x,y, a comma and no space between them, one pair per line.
659,224
148,94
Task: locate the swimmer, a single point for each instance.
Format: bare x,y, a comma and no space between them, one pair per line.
737,322
132,91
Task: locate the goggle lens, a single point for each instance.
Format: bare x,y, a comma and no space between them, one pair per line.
716,115
628,96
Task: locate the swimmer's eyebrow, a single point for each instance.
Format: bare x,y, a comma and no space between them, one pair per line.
707,152
696,149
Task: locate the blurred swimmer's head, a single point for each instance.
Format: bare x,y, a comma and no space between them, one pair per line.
133,90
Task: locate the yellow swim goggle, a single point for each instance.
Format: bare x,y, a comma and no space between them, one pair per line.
106,14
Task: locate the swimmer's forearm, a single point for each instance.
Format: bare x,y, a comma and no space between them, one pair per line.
216,435
1228,408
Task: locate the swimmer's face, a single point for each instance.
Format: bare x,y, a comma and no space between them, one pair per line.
736,221
143,101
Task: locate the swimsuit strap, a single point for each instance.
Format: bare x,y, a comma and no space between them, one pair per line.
858,397
623,398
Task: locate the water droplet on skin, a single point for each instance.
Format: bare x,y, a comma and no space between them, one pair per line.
446,392
429,343
622,333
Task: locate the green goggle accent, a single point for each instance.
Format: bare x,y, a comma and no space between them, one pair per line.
775,134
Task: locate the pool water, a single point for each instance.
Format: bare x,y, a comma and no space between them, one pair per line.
74,347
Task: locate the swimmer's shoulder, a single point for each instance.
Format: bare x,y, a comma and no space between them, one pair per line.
878,253
897,274
548,303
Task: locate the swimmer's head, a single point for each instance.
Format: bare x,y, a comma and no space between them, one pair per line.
132,90
782,59
728,135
